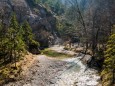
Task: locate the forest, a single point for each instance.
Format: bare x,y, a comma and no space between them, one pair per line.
59,29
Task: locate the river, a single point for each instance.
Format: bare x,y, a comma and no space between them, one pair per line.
47,71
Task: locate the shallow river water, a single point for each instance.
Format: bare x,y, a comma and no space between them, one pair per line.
77,75
46,71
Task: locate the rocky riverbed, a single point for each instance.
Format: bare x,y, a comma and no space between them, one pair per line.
46,71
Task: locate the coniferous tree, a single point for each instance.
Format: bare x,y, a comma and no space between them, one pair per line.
109,63
0,40
15,42
12,33
28,36
27,33
3,41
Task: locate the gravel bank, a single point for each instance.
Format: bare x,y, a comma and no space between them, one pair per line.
46,71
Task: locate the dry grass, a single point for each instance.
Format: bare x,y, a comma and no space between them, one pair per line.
9,73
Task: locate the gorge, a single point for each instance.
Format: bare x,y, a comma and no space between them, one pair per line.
57,42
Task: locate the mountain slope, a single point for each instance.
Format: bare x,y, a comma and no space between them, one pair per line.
41,20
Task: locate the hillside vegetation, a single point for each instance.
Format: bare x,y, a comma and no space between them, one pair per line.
84,26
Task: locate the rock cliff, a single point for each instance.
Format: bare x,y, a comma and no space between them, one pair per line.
42,21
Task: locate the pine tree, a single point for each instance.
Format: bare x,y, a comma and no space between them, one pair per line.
0,36
27,32
28,35
15,42
12,32
109,63
3,41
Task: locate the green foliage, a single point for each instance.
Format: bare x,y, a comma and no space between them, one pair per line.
13,22
67,31
55,5
40,1
54,54
37,1
108,72
14,41
110,53
27,34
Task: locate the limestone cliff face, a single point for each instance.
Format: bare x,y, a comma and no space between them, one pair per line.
42,21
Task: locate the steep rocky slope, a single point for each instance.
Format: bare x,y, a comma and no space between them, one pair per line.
41,20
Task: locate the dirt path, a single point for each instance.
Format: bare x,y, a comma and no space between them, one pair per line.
46,71
42,71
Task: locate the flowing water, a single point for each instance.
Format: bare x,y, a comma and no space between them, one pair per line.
54,72
77,75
